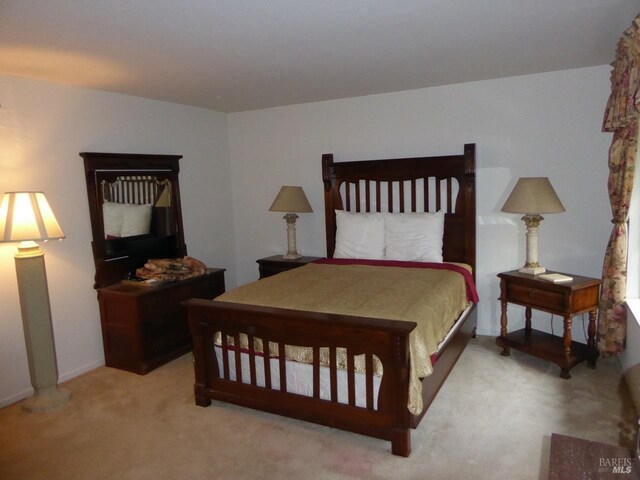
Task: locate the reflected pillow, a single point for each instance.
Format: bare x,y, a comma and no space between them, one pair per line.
414,236
359,235
112,216
126,219
136,220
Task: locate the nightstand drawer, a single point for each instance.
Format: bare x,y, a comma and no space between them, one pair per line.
536,297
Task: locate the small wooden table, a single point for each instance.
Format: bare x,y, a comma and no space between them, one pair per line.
275,264
564,299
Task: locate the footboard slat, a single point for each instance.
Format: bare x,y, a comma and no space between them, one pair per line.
369,380
225,356
236,343
252,359
351,380
316,372
333,374
266,349
283,367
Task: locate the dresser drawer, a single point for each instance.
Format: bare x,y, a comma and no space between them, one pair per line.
537,297
158,342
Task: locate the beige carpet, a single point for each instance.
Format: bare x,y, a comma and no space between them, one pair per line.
492,419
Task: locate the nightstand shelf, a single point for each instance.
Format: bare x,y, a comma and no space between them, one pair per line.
548,347
565,299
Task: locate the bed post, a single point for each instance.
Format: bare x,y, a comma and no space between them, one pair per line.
470,205
202,348
330,201
401,433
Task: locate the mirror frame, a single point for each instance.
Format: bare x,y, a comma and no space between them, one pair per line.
114,267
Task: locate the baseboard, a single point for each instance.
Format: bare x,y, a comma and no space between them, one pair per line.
4,402
75,373
630,358
632,378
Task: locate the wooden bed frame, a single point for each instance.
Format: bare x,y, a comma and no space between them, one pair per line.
354,186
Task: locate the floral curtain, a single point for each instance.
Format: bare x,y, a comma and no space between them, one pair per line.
621,118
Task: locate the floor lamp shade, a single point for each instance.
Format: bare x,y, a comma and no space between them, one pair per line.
291,200
533,196
26,217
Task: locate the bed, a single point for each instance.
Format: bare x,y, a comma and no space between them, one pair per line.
356,401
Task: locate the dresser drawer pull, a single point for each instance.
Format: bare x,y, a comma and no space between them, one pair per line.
532,292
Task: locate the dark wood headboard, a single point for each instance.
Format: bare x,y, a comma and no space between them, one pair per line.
420,184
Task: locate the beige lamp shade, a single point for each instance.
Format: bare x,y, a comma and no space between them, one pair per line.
291,199
26,216
533,195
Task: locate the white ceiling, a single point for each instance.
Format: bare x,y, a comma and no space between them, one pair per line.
235,55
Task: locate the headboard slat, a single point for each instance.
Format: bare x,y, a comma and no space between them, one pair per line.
454,179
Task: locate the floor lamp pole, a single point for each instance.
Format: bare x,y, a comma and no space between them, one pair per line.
38,330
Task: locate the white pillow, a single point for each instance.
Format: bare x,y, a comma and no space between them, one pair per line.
112,217
136,220
414,236
126,219
359,235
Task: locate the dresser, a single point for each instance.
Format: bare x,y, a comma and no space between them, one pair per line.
144,327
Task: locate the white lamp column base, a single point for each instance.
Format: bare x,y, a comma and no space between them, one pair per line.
532,266
38,331
292,251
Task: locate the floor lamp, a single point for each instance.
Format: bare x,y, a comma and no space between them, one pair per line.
291,200
26,217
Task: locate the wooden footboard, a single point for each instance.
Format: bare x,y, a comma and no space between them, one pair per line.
386,339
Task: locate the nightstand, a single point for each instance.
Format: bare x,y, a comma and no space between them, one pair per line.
272,265
565,299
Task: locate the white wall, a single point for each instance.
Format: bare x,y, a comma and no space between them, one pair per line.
43,127
536,125
545,124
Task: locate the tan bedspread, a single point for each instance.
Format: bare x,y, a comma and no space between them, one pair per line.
434,299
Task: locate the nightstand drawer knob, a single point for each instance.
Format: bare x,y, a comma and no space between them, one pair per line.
532,292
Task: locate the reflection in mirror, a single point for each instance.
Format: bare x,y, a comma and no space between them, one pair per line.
134,203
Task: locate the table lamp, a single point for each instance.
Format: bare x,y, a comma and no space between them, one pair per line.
533,196
291,200
26,217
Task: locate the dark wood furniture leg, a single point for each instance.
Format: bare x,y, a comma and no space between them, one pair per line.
506,351
591,342
566,340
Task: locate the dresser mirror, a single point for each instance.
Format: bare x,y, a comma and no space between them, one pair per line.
134,205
